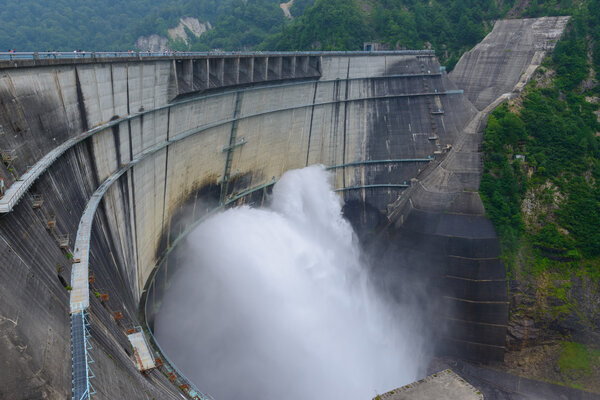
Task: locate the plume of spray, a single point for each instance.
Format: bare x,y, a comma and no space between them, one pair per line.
276,303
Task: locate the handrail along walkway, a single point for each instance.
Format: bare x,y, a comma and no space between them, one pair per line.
16,191
79,301
85,55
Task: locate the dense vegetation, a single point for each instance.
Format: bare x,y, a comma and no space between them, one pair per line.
30,25
541,189
555,130
241,24
449,26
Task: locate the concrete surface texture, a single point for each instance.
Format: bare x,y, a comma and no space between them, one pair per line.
506,54
143,355
202,130
440,220
443,385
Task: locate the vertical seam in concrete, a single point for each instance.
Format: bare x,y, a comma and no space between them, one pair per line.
80,101
155,75
135,231
230,148
312,113
345,124
130,140
141,84
127,254
98,95
127,81
166,172
116,130
60,95
105,228
95,176
112,89
142,146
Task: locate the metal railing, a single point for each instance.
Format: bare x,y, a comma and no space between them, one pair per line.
16,191
84,232
81,359
69,55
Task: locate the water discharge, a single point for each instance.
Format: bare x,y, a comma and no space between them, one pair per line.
277,303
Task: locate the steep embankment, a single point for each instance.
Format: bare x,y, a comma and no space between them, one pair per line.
540,189
441,221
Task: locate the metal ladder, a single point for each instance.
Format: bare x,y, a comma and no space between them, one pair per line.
232,145
426,89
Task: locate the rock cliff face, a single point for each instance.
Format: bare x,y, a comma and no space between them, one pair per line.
152,43
193,25
157,43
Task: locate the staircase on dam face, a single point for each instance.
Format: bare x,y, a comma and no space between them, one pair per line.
231,147
432,114
81,359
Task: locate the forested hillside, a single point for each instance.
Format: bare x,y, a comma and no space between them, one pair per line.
448,26
541,188
31,25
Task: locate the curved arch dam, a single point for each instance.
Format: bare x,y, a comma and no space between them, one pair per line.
104,161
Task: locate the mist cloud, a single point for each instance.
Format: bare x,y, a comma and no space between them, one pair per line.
276,303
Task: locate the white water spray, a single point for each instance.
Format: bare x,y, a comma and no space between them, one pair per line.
276,304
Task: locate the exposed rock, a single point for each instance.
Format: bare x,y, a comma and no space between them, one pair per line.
522,332
286,8
152,43
542,200
196,28
589,84
518,9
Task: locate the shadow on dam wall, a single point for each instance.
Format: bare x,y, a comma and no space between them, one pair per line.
389,126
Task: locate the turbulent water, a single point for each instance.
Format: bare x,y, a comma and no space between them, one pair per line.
276,303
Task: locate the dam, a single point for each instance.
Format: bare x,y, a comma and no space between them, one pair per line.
109,161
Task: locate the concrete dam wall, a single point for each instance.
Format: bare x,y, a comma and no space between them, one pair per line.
149,140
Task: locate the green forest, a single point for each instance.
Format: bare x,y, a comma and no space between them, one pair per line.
448,26
541,189
66,25
555,133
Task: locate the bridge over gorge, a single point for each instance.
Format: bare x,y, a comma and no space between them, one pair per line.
104,154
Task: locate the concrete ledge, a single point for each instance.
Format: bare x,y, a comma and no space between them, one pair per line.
444,385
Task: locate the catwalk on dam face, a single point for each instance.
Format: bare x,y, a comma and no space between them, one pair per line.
278,302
